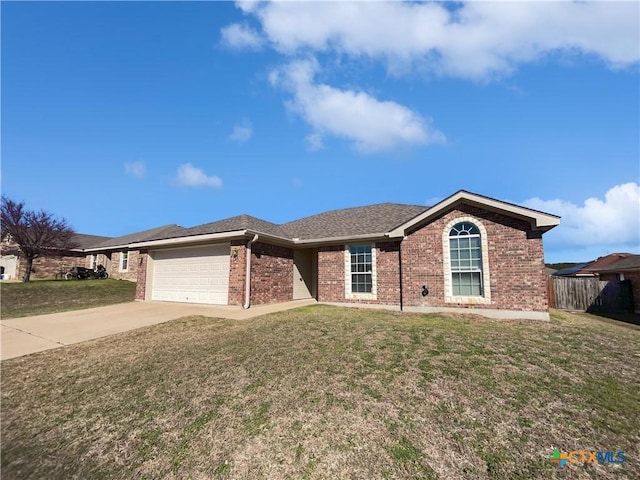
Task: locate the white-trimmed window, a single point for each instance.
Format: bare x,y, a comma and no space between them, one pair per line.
360,272
466,265
124,261
93,264
466,260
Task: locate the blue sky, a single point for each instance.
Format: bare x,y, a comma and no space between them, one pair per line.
123,116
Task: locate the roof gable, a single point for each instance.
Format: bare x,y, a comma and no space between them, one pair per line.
539,220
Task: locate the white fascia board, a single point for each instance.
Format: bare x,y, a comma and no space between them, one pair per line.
110,247
274,238
539,220
190,239
343,240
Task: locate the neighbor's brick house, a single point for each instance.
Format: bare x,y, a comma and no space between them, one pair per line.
49,266
468,252
625,269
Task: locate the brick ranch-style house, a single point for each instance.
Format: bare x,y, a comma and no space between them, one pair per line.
467,253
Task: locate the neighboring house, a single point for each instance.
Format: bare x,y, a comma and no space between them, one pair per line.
48,266
467,253
572,271
626,268
590,269
115,254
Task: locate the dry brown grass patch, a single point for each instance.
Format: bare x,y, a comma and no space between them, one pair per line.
323,392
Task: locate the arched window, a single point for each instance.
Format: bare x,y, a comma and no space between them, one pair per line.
465,249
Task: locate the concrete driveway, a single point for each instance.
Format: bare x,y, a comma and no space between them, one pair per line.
22,336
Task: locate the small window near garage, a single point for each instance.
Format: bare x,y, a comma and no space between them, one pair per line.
124,261
360,272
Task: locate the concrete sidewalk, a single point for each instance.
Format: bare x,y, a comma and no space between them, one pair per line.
22,336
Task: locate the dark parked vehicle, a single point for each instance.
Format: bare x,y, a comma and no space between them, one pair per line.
82,273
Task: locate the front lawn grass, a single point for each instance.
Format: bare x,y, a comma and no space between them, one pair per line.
50,296
325,392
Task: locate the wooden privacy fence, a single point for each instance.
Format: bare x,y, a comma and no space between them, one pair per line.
590,295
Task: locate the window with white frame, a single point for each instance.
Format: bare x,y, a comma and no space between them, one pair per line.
361,262
360,272
465,251
94,261
124,261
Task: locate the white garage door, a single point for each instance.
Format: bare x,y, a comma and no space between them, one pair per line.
199,275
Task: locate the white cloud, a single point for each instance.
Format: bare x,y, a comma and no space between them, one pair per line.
473,40
372,125
190,176
238,35
314,141
241,132
135,169
612,221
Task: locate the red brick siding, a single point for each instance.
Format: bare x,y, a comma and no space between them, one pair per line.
331,275
141,284
132,270
48,267
388,273
237,272
271,273
516,262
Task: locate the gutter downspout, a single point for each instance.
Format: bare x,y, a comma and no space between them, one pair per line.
247,277
400,271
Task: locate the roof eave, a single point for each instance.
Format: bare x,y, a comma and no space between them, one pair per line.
109,247
617,270
311,242
273,238
191,239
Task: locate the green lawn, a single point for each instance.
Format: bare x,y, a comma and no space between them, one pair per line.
325,392
49,296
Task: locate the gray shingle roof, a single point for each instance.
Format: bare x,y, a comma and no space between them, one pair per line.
240,222
370,219
166,231
367,220
86,241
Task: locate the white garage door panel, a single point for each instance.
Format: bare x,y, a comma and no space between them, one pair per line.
194,276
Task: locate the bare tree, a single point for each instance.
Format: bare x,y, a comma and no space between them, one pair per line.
34,233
